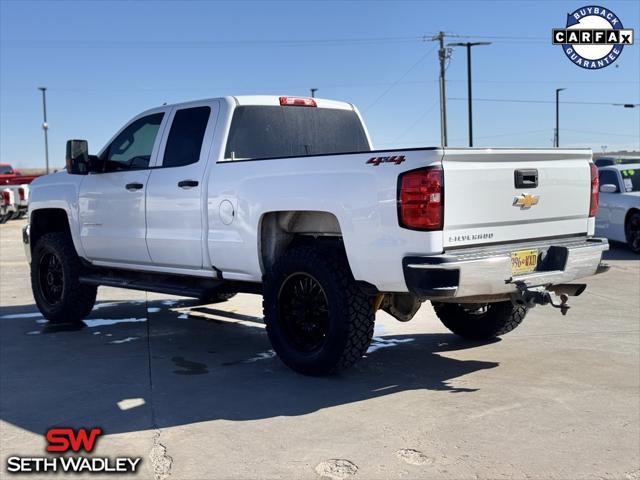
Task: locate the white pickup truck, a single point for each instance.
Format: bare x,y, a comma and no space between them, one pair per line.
256,194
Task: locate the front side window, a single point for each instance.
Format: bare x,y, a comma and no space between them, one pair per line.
132,148
186,135
608,177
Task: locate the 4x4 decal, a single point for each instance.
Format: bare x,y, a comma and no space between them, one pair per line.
395,159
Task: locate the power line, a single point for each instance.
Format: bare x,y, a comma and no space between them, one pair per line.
519,133
84,43
206,43
399,79
516,81
324,85
413,125
509,134
608,134
517,100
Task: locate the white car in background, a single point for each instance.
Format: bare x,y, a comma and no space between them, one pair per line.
618,216
9,207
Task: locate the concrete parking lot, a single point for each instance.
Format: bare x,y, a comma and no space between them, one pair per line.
197,392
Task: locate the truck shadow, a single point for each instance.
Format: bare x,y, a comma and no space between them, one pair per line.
135,366
619,251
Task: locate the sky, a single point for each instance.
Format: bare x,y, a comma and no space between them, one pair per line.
105,61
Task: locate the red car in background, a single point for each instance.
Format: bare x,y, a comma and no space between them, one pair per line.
11,176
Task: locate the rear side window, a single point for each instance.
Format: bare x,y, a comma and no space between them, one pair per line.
185,137
272,131
631,179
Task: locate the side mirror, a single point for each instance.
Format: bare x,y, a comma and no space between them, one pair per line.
608,188
77,158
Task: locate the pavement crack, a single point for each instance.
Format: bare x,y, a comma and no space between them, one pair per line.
160,461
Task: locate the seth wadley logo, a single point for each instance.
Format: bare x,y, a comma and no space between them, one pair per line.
67,440
593,37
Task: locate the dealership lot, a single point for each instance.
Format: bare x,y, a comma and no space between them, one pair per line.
197,393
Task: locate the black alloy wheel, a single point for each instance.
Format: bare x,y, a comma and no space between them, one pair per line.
51,278
632,232
304,308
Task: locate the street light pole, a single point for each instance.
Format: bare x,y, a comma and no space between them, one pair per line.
45,127
313,92
468,46
557,136
470,106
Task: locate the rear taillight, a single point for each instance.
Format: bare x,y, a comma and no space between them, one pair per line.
421,199
595,189
21,193
6,198
297,102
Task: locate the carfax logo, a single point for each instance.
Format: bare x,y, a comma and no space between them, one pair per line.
593,38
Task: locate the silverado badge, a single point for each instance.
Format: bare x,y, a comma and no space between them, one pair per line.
525,201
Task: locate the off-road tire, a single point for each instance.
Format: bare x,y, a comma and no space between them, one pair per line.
631,227
498,319
218,297
77,299
350,315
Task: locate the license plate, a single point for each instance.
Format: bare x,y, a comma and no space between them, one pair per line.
523,261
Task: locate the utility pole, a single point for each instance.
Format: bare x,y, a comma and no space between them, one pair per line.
313,92
442,56
468,45
45,127
557,136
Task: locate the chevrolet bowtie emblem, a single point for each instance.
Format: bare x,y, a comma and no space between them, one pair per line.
525,200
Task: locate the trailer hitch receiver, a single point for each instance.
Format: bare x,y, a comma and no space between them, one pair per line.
557,296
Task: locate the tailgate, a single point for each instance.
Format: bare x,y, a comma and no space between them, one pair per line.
490,196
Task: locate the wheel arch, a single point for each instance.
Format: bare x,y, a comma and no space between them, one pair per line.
630,212
280,230
49,220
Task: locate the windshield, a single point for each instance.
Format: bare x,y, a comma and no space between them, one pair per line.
631,179
5,169
626,161
271,131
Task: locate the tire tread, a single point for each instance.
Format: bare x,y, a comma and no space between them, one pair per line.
79,299
502,318
360,315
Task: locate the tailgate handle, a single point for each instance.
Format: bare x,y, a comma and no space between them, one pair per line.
527,178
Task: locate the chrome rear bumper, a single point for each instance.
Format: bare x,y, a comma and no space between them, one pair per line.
486,271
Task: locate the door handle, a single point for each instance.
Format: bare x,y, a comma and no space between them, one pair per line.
134,186
187,183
